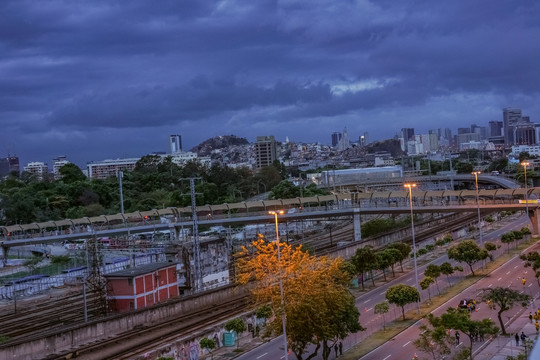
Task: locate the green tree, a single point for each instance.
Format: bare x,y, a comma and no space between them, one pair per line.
460,320
384,261
508,238
425,283
404,249
71,173
532,260
468,252
434,272
394,256
382,308
402,295
208,344
447,269
498,165
365,260
237,325
32,263
434,342
263,312
489,247
505,299
285,190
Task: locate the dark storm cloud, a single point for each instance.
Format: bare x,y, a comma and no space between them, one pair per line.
88,72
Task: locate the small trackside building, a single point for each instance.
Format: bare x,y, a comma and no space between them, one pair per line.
140,287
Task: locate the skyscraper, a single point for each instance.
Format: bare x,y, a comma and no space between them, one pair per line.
335,138
176,143
495,128
510,118
407,134
265,151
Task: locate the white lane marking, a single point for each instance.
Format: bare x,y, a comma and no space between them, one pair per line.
529,285
384,292
499,279
387,357
516,266
508,273
490,285
369,309
410,280
368,300
407,343
260,356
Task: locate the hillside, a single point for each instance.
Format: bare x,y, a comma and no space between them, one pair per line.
218,142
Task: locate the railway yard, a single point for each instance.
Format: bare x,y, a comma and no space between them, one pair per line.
59,312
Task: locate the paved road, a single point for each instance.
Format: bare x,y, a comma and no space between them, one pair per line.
508,275
402,344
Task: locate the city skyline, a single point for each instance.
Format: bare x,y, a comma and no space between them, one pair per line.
97,80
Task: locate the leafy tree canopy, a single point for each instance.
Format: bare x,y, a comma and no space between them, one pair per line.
319,308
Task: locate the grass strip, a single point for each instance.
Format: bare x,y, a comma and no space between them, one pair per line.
397,326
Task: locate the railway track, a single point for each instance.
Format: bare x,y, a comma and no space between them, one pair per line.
137,341
49,318
46,316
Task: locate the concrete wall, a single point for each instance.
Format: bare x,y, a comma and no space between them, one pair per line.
106,328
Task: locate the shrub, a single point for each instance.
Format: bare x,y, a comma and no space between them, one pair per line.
422,251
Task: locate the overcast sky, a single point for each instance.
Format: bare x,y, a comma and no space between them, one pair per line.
94,80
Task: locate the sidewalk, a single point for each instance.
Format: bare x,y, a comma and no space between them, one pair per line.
501,347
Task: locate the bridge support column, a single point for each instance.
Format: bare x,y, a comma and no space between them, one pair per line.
356,225
5,252
534,216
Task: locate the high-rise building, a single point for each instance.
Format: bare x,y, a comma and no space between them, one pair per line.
265,151
407,134
495,128
344,143
480,130
176,143
9,165
336,136
39,169
510,118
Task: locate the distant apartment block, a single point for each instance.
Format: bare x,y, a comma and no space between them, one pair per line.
533,150
107,168
57,164
39,169
265,151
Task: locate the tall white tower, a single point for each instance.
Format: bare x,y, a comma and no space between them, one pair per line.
176,144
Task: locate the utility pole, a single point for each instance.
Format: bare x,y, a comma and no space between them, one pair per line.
198,281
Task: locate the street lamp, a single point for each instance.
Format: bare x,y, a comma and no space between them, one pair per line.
283,317
410,186
525,164
476,173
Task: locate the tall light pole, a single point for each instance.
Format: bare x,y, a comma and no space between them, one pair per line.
410,186
283,317
525,164
476,173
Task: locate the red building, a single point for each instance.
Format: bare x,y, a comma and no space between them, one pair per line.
140,287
